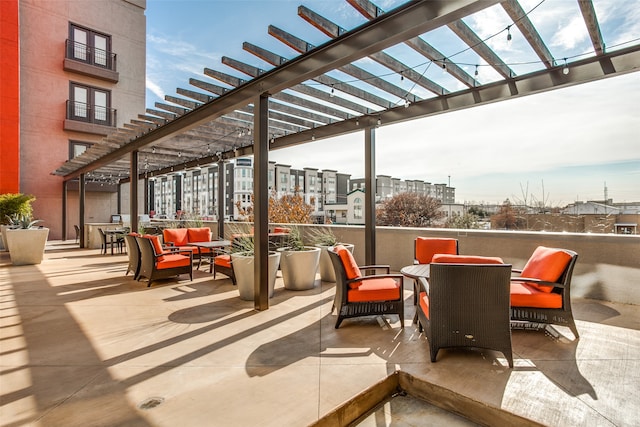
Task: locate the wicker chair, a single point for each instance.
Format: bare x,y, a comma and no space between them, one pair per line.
134,255
424,248
542,291
358,295
466,305
222,264
157,263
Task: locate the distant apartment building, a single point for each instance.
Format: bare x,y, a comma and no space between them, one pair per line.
72,72
387,187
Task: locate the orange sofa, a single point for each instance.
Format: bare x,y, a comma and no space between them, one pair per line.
183,237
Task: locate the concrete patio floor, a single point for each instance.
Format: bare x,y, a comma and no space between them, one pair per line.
83,345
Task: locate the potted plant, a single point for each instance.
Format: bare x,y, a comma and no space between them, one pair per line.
242,261
299,262
12,205
324,238
25,241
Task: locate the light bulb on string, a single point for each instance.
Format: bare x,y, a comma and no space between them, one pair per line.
401,75
444,65
407,103
509,33
476,73
332,94
565,69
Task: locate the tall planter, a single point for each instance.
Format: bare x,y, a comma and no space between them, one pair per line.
26,246
3,230
299,268
327,273
244,272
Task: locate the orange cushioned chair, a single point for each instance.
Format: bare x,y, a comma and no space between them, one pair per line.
425,248
158,263
358,295
222,264
542,291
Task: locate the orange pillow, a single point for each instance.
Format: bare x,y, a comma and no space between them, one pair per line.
466,259
546,264
281,230
348,262
426,247
202,234
177,236
157,245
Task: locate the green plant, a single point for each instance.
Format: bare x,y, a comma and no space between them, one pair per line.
12,205
22,222
241,239
295,242
323,236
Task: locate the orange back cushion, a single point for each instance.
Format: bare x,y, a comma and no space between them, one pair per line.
466,259
348,262
157,245
427,247
281,230
177,236
202,234
546,264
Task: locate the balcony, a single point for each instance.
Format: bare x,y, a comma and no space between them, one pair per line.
94,119
93,62
83,342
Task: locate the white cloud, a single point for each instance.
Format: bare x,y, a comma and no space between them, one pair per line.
154,88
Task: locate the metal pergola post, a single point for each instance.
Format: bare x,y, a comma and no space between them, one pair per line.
370,195
261,202
221,197
81,202
134,190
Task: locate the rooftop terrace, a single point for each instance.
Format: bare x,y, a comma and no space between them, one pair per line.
84,345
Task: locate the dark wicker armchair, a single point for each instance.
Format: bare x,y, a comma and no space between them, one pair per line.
358,295
542,291
156,263
133,252
466,305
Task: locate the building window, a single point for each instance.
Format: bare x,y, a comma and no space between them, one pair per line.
90,46
90,104
77,147
357,208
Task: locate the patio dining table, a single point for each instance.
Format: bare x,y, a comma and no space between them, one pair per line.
415,272
113,235
213,246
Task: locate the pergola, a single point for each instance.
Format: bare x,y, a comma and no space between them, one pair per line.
300,100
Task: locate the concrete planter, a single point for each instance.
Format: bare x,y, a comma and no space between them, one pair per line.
3,242
243,271
299,268
327,273
27,246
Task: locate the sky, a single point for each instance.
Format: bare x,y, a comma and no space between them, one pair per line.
576,143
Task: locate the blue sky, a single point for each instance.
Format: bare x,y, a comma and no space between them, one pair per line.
561,145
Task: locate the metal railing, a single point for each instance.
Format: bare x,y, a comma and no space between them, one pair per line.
90,55
88,113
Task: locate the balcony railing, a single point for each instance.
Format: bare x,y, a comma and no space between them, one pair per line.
90,55
88,113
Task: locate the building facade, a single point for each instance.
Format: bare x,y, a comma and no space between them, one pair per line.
73,74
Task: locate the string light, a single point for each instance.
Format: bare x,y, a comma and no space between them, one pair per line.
509,33
476,73
565,70
444,65
401,75
407,103
379,120
332,94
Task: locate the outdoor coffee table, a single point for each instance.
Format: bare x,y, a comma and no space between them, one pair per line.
214,246
415,272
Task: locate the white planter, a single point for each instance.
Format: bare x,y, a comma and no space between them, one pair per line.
327,273
3,229
27,246
243,270
299,268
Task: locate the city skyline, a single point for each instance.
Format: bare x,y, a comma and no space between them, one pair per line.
564,145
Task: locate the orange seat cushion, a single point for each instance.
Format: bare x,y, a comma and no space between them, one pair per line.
424,303
381,289
202,234
173,260
528,295
466,259
281,230
223,261
546,264
427,247
348,262
177,236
